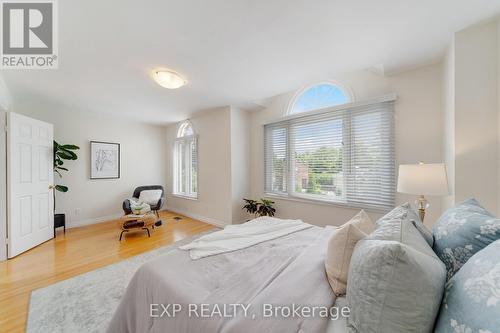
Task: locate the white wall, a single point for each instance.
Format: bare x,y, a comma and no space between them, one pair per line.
223,167
214,168
498,93
418,136
449,122
240,162
5,99
476,115
143,160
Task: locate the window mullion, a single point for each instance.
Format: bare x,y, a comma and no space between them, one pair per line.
187,166
347,154
289,163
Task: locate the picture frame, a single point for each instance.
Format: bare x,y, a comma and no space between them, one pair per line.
104,160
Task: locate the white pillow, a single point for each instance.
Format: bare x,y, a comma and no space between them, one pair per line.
340,248
151,197
139,207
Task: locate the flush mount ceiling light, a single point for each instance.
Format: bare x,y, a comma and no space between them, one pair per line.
168,79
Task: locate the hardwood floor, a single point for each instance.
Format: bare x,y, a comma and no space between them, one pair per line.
78,251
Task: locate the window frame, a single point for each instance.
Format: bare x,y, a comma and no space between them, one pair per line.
186,142
290,194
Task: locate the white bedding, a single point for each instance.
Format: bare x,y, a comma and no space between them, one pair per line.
284,271
237,237
339,325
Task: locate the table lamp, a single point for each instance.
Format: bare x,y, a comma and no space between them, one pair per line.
423,179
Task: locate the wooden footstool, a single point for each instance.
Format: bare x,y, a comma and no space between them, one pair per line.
135,222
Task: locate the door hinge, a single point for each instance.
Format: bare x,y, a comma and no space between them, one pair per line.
6,241
6,128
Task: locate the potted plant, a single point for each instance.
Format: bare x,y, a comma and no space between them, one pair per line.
61,153
264,207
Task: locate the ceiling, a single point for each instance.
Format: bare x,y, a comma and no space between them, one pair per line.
232,52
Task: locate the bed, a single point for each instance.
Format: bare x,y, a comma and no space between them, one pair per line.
173,293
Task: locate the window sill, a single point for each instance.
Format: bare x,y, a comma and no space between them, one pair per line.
181,196
369,208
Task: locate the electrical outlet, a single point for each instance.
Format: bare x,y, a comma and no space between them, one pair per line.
78,211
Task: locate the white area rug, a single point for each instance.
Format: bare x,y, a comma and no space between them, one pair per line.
86,303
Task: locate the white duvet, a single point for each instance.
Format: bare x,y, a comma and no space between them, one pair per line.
237,237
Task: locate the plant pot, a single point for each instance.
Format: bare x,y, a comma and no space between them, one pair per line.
59,221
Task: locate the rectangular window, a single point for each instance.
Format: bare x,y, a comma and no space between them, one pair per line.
186,167
342,156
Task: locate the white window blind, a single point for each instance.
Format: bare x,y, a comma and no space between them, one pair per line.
186,166
343,155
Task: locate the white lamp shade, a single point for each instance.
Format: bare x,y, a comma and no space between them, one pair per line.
424,179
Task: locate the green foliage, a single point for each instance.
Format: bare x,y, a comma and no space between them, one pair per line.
263,207
322,164
62,153
251,206
61,188
266,208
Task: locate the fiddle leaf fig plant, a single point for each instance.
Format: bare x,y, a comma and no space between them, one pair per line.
62,153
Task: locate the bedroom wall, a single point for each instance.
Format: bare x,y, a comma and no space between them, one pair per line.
223,172
471,108
240,162
449,122
213,204
498,93
418,136
143,160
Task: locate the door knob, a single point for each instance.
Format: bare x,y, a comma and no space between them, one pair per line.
51,187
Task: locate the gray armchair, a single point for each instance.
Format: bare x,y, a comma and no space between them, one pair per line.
137,193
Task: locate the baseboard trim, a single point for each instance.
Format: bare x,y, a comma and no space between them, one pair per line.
96,220
205,219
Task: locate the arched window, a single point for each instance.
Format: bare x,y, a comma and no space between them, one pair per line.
186,162
320,96
185,129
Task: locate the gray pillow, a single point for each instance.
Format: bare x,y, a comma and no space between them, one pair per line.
395,281
426,233
397,226
408,215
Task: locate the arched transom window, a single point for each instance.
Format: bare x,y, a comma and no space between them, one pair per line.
320,96
186,162
185,129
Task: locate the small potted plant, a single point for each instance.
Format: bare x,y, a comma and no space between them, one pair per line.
264,207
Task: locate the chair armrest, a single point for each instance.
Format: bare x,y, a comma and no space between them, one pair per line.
126,207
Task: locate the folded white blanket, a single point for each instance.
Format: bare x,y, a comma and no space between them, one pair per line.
237,237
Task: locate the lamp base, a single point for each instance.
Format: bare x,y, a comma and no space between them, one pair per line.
421,214
422,204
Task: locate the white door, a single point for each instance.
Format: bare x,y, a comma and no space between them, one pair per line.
29,183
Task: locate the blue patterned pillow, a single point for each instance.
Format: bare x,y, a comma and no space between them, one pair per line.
461,231
471,301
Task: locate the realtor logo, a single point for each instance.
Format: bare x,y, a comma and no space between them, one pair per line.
29,34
